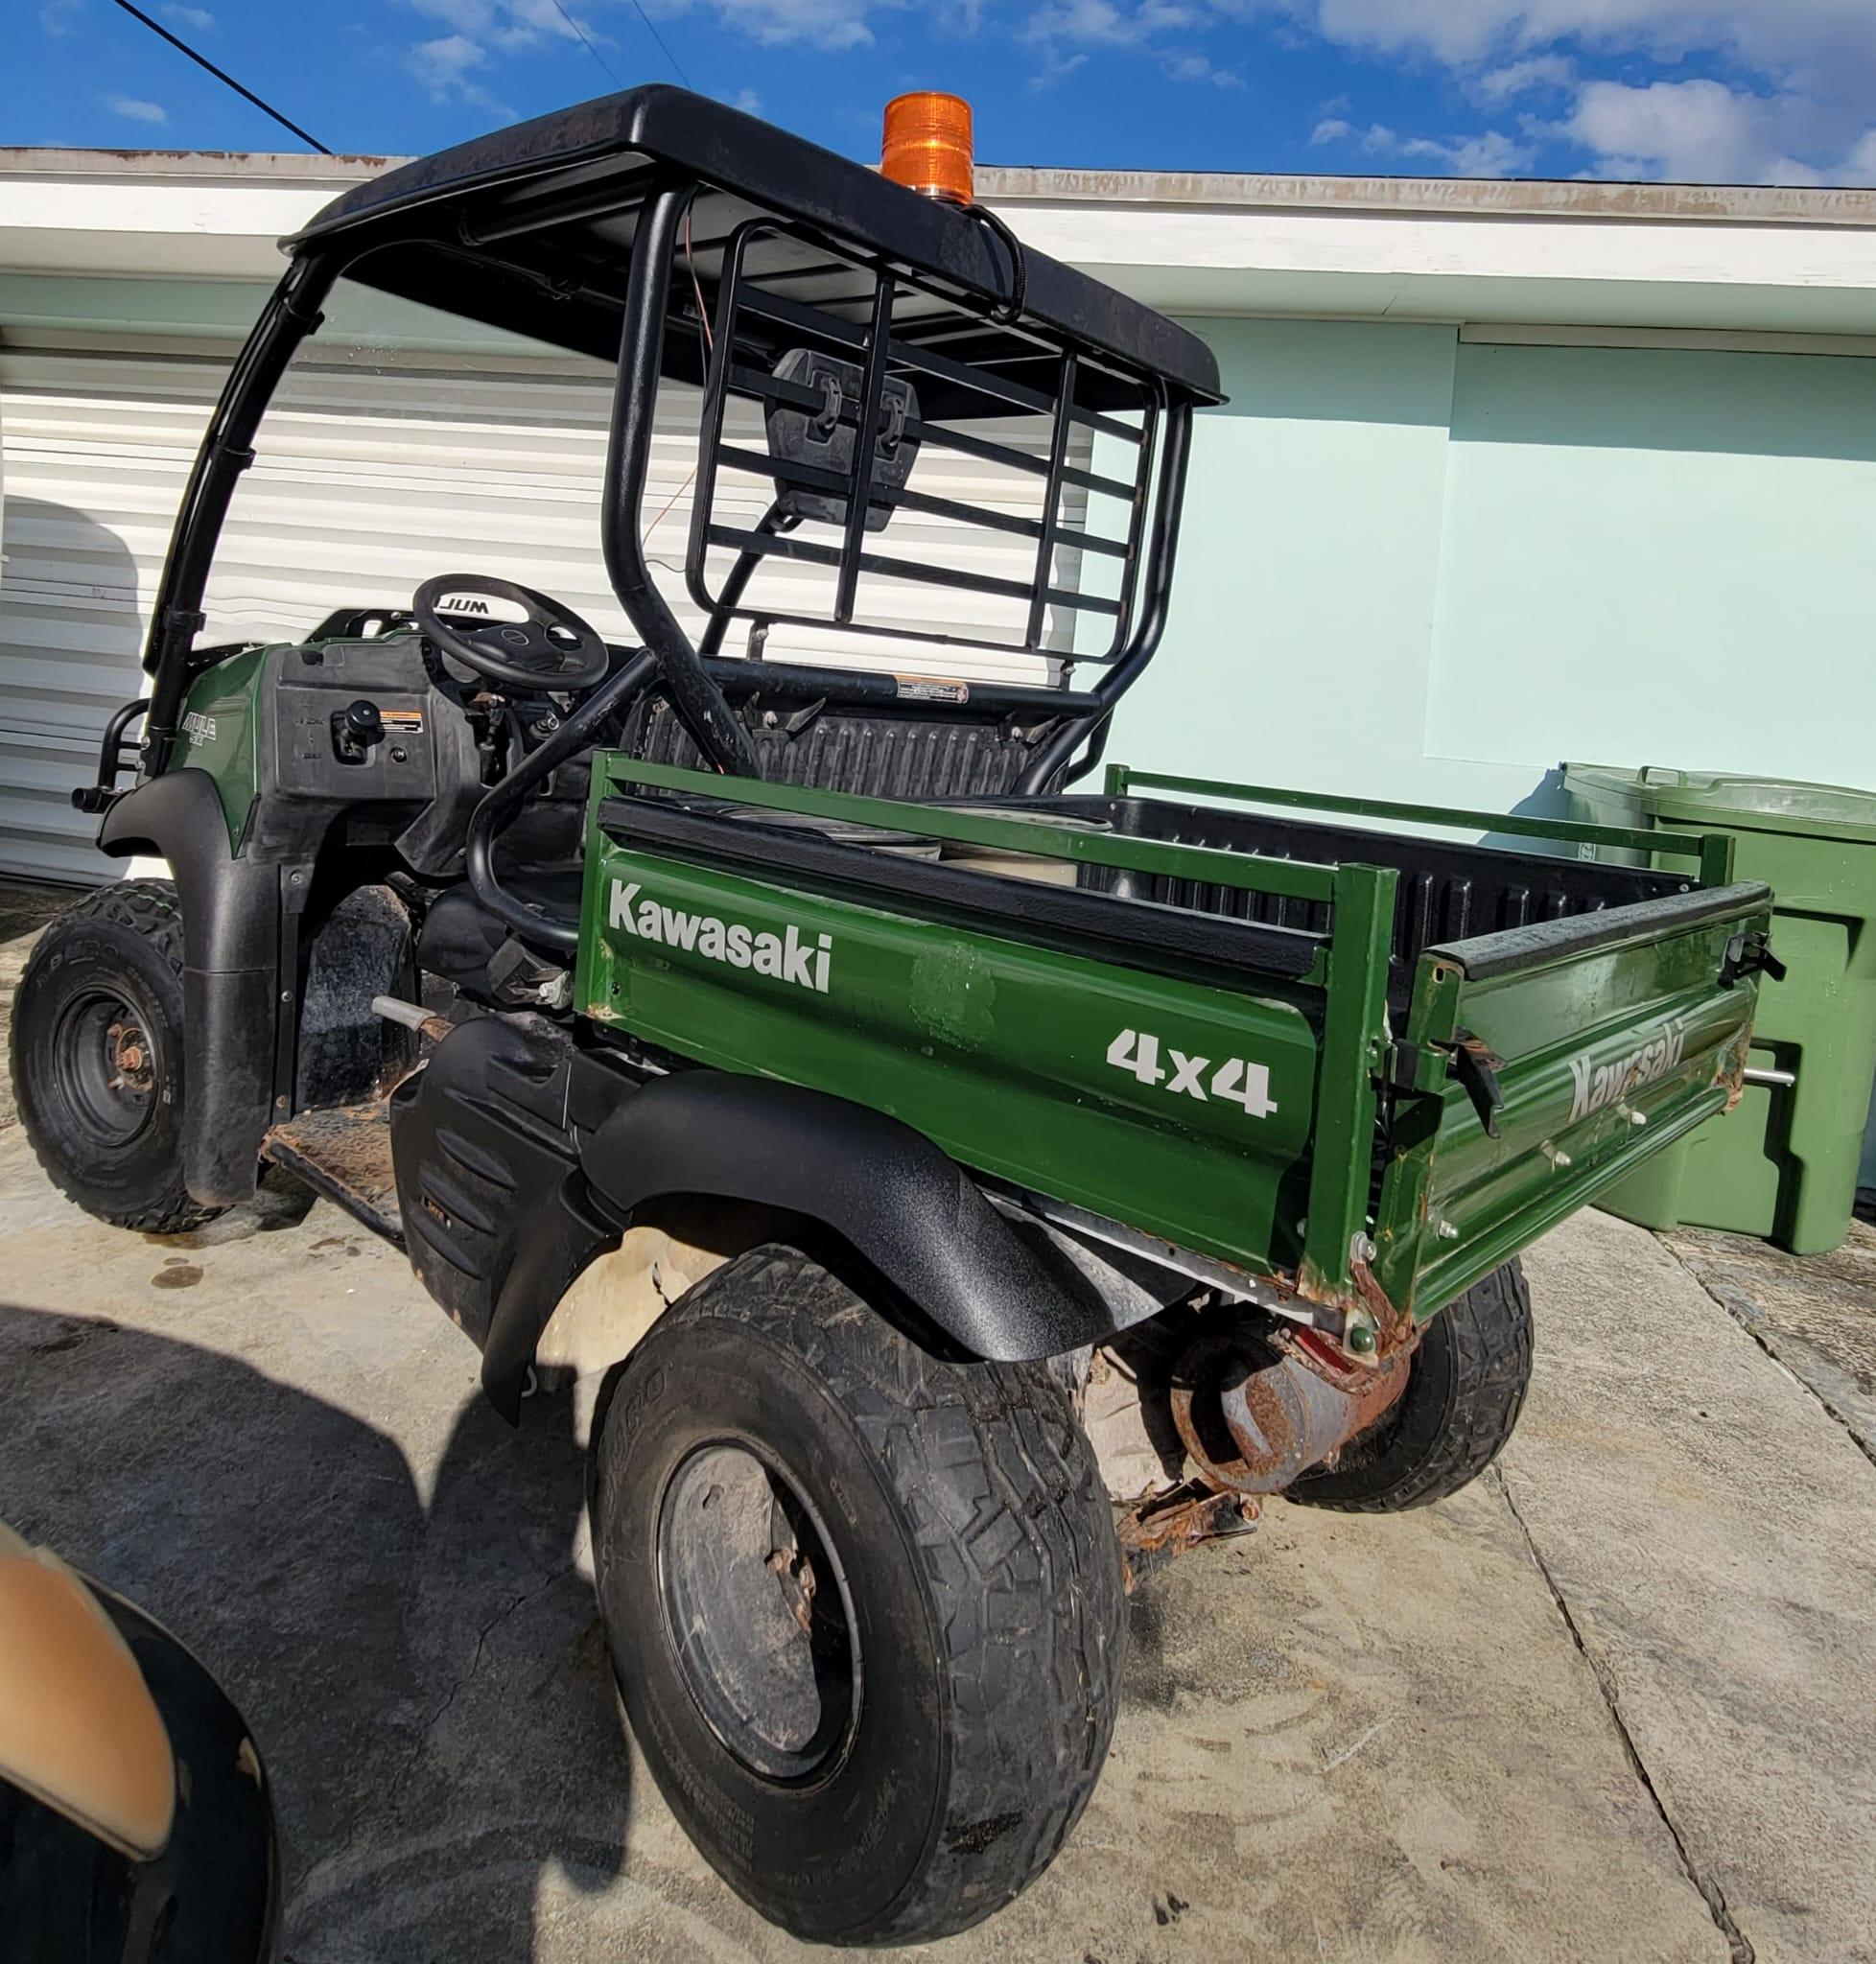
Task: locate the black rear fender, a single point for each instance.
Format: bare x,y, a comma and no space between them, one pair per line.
911,1214
520,1160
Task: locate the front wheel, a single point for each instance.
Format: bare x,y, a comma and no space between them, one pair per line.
864,1605
97,1056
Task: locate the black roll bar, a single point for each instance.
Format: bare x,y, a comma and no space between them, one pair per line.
697,700
538,926
291,312
1091,727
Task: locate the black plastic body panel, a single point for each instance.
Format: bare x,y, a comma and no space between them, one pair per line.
521,1158
1085,919
924,750
230,980
425,763
1557,938
911,1213
497,1219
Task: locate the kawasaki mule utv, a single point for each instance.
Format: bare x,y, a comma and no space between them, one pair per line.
1033,1180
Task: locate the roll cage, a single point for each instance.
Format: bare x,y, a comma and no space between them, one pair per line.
690,242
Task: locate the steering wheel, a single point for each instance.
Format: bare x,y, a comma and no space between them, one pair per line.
552,648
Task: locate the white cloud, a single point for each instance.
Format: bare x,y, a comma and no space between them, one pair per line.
1860,165
136,109
1102,24
1083,20
749,102
1791,39
1188,64
1703,132
533,18
466,17
445,66
1795,111
58,17
1490,153
507,23
1056,66
197,18
833,24
1522,77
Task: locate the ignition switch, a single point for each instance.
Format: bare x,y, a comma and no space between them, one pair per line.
355,730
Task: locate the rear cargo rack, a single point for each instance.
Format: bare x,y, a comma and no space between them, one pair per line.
827,344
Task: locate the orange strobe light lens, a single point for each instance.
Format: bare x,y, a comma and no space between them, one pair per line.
926,145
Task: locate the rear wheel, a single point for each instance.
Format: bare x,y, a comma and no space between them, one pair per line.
864,1605
97,1056
1471,1372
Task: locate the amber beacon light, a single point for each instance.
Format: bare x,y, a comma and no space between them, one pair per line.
926,145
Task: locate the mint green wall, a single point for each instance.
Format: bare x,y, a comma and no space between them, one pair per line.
1297,649
1418,566
1659,557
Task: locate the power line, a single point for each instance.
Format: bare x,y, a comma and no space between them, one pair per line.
607,65
221,75
579,33
652,30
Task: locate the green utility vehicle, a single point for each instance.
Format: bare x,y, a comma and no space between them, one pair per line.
977,1188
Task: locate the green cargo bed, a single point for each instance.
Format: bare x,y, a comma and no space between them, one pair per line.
1352,1071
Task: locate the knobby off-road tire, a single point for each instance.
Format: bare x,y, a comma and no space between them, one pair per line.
1469,1376
97,1056
880,1729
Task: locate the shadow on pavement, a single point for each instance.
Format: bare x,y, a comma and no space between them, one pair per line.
427,1683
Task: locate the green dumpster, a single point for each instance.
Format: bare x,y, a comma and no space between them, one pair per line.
1784,1165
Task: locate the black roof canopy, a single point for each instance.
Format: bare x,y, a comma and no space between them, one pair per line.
530,229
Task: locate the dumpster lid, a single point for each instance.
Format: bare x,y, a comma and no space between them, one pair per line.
1773,804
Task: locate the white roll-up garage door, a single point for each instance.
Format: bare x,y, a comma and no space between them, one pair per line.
95,446
376,468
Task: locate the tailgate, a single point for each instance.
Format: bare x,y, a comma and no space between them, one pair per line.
1543,1063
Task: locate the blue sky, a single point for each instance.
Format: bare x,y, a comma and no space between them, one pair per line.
1779,91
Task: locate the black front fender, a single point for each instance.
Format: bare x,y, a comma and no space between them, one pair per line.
230,983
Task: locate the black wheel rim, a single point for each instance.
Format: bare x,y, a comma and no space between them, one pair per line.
757,1612
104,1066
